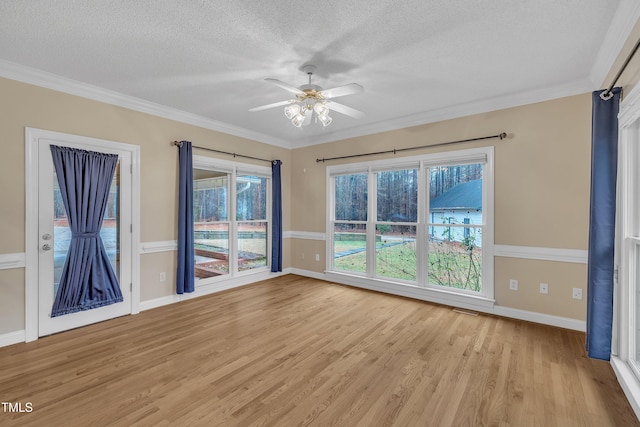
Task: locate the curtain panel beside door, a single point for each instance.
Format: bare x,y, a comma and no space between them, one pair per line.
185,277
604,169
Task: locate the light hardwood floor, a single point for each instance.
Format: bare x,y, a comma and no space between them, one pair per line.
297,351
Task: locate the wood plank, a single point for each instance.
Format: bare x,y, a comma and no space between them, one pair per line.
300,351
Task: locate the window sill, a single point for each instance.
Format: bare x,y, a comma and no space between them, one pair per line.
440,296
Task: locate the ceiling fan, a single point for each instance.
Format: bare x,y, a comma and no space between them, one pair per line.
310,99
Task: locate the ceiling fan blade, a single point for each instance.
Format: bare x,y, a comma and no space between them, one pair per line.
265,107
335,92
343,109
285,86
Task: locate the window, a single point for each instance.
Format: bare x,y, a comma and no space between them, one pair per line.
455,226
428,223
251,215
628,242
211,224
396,224
625,345
350,226
230,209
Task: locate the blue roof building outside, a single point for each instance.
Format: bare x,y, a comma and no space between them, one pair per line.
465,196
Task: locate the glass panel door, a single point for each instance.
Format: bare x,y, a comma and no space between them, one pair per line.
54,237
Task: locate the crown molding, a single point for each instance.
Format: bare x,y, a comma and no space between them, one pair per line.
55,82
624,19
47,80
457,111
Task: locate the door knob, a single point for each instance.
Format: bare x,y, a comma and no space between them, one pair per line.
46,247
46,236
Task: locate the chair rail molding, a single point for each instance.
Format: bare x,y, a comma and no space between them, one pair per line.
14,260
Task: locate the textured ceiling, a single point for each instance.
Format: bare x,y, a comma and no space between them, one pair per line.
418,60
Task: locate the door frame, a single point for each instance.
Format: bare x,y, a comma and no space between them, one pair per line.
32,142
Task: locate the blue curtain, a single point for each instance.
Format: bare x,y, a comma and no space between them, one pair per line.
185,271
88,280
604,167
276,209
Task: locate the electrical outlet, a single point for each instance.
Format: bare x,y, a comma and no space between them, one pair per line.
513,284
544,288
577,293
317,257
163,276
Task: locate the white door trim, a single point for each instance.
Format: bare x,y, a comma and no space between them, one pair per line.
32,137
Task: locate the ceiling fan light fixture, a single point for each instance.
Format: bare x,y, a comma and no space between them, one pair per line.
291,110
297,120
321,109
312,100
325,119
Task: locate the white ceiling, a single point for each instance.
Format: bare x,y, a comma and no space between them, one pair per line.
419,61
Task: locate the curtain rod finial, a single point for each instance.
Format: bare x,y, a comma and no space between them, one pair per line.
606,95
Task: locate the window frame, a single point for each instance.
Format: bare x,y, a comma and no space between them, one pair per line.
235,169
624,339
420,287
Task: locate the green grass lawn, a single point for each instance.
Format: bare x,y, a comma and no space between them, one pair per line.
449,264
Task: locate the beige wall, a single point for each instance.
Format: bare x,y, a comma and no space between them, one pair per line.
542,174
541,185
24,105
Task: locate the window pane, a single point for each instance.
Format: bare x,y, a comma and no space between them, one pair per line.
455,257
252,245
210,196
210,222
211,241
350,247
396,251
455,194
251,198
397,195
351,197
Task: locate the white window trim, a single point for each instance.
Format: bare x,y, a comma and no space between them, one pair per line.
624,318
235,169
484,299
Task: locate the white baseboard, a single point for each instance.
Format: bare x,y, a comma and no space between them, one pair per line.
159,302
307,273
210,289
545,319
480,305
11,338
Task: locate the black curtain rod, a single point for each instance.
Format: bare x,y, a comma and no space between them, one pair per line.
394,151
179,144
607,93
